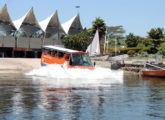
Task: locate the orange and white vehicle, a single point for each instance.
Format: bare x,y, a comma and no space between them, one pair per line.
62,56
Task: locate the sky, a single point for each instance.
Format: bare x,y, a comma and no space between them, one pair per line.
136,16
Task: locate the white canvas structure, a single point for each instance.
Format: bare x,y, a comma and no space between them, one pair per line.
73,26
53,29
52,21
29,17
94,48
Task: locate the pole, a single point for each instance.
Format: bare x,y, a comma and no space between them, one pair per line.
105,41
115,48
77,8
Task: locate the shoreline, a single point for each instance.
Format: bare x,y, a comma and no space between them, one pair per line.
18,65
23,65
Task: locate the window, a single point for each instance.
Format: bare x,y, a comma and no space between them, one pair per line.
67,57
45,51
49,52
80,60
54,52
61,54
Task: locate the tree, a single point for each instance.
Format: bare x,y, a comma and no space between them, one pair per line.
132,40
162,49
78,42
99,23
156,33
155,36
115,32
111,41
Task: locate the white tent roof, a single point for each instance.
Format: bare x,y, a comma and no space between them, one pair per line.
19,22
4,16
45,22
29,17
66,26
52,19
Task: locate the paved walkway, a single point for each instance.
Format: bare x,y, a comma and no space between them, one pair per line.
17,65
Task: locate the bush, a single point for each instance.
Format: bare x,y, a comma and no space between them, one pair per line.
125,50
162,50
145,49
144,54
131,52
77,42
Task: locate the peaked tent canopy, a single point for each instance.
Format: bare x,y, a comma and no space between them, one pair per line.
53,30
7,26
28,23
28,18
51,21
73,26
52,27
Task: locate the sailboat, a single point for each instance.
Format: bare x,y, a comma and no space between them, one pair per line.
94,48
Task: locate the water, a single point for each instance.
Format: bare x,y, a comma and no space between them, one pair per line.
113,96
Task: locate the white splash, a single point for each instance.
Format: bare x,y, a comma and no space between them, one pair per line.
61,76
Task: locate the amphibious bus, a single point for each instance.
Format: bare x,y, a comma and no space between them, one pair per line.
65,57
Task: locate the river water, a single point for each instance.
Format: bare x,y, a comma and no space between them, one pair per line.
113,96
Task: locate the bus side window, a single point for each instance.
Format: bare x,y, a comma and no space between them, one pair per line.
57,54
45,51
49,52
67,57
54,53
61,54
70,60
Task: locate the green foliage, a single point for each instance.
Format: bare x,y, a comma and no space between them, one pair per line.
125,50
111,41
156,33
162,49
99,23
152,42
122,43
145,49
115,32
144,54
131,52
147,42
140,45
78,42
155,38
89,31
132,40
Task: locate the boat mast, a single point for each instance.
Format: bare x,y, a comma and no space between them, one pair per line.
99,40
105,41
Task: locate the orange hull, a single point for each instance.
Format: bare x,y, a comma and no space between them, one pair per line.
158,73
46,59
67,57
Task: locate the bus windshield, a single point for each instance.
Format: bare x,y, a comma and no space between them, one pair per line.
80,60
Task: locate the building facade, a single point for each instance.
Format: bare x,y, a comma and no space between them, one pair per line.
27,35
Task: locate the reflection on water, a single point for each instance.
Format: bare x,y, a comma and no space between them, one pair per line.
30,97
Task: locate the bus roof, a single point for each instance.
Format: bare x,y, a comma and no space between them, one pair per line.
61,49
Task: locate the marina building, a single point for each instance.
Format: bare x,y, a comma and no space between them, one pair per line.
25,37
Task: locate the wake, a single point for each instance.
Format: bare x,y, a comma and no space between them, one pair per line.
56,75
